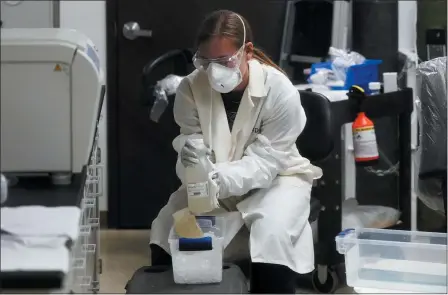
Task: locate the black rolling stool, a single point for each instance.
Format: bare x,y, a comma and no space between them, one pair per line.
159,279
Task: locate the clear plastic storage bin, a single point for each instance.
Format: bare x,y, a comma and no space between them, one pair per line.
395,260
201,266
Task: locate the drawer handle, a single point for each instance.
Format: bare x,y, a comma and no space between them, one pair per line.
88,248
85,280
94,221
89,202
85,230
93,186
79,263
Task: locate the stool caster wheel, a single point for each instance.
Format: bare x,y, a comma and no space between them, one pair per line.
325,280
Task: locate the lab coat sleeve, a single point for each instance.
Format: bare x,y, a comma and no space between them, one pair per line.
272,152
186,116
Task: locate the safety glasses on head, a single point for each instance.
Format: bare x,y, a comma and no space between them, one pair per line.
233,61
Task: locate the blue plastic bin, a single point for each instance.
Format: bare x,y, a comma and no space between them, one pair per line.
360,75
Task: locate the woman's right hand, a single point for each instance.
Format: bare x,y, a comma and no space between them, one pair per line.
189,155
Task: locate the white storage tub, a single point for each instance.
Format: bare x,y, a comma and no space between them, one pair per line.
199,266
395,260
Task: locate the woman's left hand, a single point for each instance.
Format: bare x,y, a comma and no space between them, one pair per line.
222,190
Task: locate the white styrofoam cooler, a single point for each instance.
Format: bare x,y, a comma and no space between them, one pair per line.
394,260
199,267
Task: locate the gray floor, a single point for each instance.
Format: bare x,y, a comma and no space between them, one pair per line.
124,251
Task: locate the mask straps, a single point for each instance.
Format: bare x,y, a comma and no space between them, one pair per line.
211,90
210,133
244,29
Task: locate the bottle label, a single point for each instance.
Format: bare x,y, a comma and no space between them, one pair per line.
197,190
364,142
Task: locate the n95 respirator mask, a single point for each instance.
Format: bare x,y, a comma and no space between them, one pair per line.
223,79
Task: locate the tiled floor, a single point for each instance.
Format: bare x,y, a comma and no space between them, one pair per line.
122,252
125,251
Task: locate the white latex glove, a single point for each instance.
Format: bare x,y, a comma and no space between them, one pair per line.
217,183
214,189
221,191
189,155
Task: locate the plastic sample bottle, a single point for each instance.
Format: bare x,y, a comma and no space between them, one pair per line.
197,178
375,88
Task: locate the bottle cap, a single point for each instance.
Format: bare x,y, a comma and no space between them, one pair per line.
375,86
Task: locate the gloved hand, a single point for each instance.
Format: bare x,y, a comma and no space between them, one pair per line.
219,187
217,183
189,155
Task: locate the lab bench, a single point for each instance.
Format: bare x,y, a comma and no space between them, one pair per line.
77,272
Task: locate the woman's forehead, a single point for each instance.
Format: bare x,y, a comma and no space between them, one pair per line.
217,47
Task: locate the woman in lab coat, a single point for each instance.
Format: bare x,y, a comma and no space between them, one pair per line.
248,116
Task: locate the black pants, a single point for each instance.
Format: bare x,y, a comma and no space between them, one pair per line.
265,278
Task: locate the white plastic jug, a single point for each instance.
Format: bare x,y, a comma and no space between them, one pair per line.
201,189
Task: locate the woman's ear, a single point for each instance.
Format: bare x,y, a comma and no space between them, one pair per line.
249,48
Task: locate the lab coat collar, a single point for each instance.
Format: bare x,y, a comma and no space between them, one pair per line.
257,79
247,112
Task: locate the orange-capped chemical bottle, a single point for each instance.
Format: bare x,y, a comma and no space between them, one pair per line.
364,140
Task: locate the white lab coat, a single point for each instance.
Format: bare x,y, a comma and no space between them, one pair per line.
259,163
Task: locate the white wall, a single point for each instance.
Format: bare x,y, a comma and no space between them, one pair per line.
407,25
27,14
89,17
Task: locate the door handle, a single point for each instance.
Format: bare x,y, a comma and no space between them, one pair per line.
131,31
